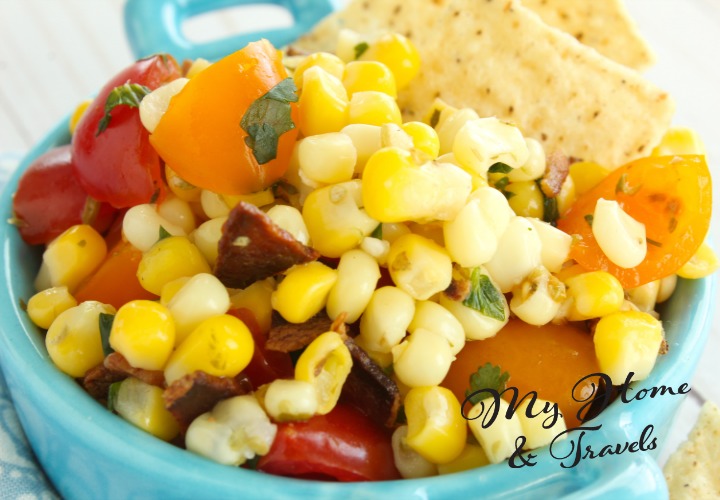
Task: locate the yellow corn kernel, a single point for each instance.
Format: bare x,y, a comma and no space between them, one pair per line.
171,288
73,340
534,167
366,139
482,142
323,104
77,114
409,463
45,306
259,198
680,141
213,204
644,296
201,297
73,256
594,294
325,364
567,195
144,333
396,189
436,428
540,430
397,53
329,62
142,405
569,271
335,218
361,76
206,238
357,276
497,437
196,67
180,187
471,457
169,259
703,263
304,291
526,200
290,400
627,341
391,135
435,114
667,287
373,108
434,317
326,158
348,44
423,359
256,298
423,137
586,175
386,319
220,346
383,359
419,266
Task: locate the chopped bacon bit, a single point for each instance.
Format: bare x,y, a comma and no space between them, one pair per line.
369,389
288,337
116,362
458,289
196,393
294,50
253,247
97,382
558,167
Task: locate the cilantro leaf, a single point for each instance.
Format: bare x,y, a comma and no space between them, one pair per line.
128,94
360,49
163,233
113,391
589,219
484,297
499,168
106,322
268,118
550,208
488,376
377,232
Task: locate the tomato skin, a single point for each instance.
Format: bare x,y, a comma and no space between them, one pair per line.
49,199
343,445
671,195
119,165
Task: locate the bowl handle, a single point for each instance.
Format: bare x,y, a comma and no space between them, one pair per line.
156,26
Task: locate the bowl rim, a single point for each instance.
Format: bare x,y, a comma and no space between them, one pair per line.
34,380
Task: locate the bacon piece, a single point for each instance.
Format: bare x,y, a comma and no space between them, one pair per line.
116,362
196,393
369,389
253,247
97,382
558,167
288,337
458,289
115,367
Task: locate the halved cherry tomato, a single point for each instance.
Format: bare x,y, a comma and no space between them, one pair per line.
343,445
549,360
200,136
118,165
265,365
49,200
671,195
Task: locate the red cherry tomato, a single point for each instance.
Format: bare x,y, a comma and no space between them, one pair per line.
49,200
343,445
118,165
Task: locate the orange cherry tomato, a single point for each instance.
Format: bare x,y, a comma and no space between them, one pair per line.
200,136
671,195
549,360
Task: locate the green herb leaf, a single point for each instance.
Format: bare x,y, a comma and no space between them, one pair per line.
163,234
252,463
106,323
550,210
268,118
499,168
488,376
502,183
623,186
360,49
113,391
435,118
377,232
484,297
129,94
653,242
589,219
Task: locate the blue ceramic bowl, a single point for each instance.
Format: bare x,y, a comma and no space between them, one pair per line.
91,453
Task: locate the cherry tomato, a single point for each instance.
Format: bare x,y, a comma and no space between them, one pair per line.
671,195
265,365
49,200
118,165
549,360
200,135
343,445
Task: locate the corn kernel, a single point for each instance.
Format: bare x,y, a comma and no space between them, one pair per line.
347,43
201,297
290,400
73,256
45,306
540,430
256,298
471,457
73,340
397,53
331,63
434,317
567,195
450,124
142,405
703,263
436,428
155,104
423,137
180,187
376,248
386,319
366,139
644,296
439,111
594,294
538,298
196,67
358,274
361,76
627,341
423,359
144,333
323,103
534,167
168,260
77,114
527,199
171,288
213,204
497,437
586,175
290,219
177,211
220,346
555,245
667,287
409,463
327,158
419,266
326,364
304,291
680,141
620,237
518,253
141,226
207,236
258,198
373,108
483,142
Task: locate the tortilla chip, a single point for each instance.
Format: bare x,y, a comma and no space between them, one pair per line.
693,471
603,25
501,59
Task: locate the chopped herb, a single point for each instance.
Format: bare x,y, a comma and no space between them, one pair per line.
502,183
281,188
653,242
488,376
484,297
500,168
589,219
622,186
268,118
252,463
377,232
163,233
113,391
360,49
129,94
106,323
550,210
435,118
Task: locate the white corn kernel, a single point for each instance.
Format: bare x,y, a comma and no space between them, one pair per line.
644,296
499,436
200,298
290,400
207,236
540,430
419,266
449,125
434,317
667,287
358,274
409,463
483,142
619,236
476,325
213,204
178,212
535,165
423,359
538,298
346,42
290,219
391,135
327,158
153,106
518,253
141,226
555,245
377,249
366,139
386,318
